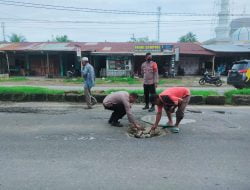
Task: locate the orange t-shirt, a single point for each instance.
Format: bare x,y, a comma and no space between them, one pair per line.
175,94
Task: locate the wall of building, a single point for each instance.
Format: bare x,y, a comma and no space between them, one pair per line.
3,64
190,64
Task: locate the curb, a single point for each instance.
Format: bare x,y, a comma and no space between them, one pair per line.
241,100
71,97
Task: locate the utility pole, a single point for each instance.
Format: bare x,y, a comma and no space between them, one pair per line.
3,29
133,37
158,23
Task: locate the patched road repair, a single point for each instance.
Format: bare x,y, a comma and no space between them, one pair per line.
63,146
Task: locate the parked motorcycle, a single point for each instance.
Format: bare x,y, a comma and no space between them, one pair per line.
73,72
207,78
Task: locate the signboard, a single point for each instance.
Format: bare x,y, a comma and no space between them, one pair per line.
168,48
148,48
78,52
177,54
154,48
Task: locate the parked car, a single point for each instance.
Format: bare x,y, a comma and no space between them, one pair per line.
237,76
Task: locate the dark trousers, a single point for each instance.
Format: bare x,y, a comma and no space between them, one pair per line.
119,112
148,89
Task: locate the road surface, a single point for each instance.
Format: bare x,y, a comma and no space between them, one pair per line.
62,146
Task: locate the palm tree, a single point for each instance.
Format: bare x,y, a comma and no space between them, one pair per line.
63,38
189,37
17,38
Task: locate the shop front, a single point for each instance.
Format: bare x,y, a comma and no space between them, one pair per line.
119,66
161,54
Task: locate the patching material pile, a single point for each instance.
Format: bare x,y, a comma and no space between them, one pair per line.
145,133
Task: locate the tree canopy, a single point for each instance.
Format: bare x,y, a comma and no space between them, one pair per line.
189,37
142,39
63,38
17,38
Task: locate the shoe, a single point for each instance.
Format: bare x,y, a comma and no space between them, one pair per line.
116,124
175,130
152,109
145,107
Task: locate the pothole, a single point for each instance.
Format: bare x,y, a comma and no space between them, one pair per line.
194,111
150,119
146,133
222,112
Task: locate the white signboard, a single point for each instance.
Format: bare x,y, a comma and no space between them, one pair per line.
78,52
177,54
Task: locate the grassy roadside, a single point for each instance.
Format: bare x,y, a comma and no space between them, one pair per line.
229,94
28,90
122,80
42,90
14,79
193,92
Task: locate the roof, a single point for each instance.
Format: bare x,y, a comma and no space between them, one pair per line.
36,46
99,47
228,48
192,48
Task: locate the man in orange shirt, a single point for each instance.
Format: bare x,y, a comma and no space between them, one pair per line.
170,99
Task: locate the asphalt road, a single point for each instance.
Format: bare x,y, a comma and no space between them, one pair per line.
62,146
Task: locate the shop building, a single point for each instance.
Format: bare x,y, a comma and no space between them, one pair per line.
108,58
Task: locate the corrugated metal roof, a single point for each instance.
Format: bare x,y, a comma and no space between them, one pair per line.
37,46
192,48
228,48
99,47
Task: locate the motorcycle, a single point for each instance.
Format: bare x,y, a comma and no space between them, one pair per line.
73,72
210,80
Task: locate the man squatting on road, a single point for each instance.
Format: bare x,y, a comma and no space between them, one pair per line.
149,70
89,80
170,99
120,102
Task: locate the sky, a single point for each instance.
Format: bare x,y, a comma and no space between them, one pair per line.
87,22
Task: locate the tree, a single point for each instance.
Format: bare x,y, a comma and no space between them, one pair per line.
143,39
189,37
17,38
63,38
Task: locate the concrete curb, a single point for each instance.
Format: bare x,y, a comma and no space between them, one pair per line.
71,97
216,100
242,100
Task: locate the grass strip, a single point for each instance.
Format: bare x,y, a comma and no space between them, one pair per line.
28,90
13,79
229,94
193,92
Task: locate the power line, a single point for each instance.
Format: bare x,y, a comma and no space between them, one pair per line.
10,19
67,8
106,11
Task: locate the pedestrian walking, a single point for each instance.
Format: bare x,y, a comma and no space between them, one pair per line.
89,80
170,99
149,70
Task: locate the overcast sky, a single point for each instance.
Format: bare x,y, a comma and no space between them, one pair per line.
114,27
